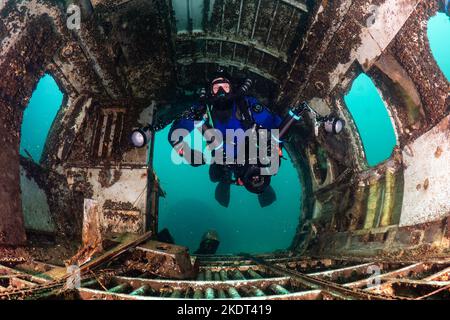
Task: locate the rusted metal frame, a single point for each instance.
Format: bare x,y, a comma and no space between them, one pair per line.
16,273
433,286
303,295
332,275
235,40
90,294
297,4
21,283
35,285
272,22
28,292
93,60
324,264
240,17
153,189
221,27
98,116
319,55
35,266
238,26
228,262
231,268
68,144
416,283
105,134
333,289
220,262
112,134
332,186
287,31
199,289
153,201
438,260
239,65
113,253
437,276
379,210
433,292
158,284
48,288
402,272
275,11
255,21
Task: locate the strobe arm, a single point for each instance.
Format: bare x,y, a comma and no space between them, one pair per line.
294,115
331,124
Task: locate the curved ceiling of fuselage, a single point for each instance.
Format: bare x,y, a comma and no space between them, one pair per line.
256,37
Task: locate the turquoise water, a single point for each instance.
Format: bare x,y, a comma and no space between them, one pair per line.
190,208
372,120
38,117
439,37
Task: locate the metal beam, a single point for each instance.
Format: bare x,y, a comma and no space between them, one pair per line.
402,272
200,59
240,17
158,284
287,31
256,19
275,11
347,272
238,27
221,27
235,40
333,289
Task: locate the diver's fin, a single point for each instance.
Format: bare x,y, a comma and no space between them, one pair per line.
223,194
267,197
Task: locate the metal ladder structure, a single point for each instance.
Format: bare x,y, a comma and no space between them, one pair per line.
283,278
267,277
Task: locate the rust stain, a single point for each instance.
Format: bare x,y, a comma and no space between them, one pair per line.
438,152
426,183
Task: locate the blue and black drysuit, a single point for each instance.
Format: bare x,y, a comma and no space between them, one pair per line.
254,112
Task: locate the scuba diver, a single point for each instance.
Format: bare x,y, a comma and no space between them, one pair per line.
222,108
229,108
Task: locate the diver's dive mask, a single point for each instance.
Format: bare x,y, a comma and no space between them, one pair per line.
220,87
